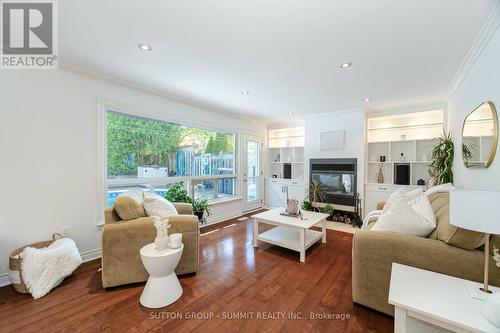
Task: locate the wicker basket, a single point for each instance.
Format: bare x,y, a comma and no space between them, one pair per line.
15,264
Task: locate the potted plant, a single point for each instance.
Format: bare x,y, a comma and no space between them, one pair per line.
328,209
316,194
307,205
200,206
441,168
177,193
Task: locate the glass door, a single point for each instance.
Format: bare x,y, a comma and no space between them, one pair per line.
252,175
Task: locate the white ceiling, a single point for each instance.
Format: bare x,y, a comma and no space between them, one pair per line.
286,53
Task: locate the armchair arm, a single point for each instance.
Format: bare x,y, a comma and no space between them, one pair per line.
183,224
366,220
183,208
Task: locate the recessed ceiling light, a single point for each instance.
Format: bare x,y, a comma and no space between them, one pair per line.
145,47
346,65
290,113
245,92
367,100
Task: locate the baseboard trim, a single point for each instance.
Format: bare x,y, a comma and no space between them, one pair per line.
223,218
4,279
91,255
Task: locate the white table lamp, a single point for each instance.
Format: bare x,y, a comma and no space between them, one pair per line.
477,211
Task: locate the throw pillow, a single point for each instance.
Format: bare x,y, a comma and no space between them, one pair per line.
402,193
156,205
448,233
128,205
439,189
404,219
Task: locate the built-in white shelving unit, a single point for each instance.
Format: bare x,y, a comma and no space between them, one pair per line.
285,146
415,152
411,134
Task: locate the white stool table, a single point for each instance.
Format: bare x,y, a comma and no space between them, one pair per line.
163,287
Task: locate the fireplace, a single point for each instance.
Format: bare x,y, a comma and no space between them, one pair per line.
338,177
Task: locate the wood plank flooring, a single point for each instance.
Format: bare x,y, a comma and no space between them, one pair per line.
237,289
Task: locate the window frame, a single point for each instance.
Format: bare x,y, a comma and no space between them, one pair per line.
104,183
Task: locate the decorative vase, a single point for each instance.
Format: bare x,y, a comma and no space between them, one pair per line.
162,242
491,308
379,177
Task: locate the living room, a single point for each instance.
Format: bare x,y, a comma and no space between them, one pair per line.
248,166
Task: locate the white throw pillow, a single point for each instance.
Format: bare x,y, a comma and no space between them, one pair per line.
405,193
404,218
439,189
423,208
155,205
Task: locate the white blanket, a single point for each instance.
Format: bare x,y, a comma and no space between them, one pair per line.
43,269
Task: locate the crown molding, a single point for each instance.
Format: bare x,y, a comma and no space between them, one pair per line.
487,31
156,92
334,113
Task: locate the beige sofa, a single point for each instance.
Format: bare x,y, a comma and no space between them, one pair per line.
448,250
127,228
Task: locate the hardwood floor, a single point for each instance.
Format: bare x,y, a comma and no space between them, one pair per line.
234,280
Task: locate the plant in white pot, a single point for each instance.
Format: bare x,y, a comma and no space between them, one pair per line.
491,307
161,224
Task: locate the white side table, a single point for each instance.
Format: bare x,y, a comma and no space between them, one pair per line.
431,302
163,287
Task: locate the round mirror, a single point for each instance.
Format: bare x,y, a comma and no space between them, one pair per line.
480,136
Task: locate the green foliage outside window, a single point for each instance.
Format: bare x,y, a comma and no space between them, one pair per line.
134,141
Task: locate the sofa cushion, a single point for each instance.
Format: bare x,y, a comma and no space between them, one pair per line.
155,205
448,233
128,205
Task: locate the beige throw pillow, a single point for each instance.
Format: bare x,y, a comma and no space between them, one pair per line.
128,205
448,233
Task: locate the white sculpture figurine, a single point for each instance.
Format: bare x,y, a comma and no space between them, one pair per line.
162,225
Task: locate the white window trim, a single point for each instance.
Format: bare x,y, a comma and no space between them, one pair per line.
103,106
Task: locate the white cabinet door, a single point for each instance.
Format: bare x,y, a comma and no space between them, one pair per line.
297,191
274,194
375,194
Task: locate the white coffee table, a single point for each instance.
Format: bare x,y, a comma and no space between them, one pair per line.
163,287
425,301
290,232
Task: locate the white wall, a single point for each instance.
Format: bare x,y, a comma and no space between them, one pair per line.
482,83
48,153
354,125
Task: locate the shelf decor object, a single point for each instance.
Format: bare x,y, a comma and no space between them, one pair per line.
464,206
480,136
380,176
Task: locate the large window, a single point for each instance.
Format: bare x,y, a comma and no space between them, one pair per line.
151,154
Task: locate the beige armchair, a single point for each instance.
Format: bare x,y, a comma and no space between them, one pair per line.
122,240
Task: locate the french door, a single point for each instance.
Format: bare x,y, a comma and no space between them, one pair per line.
252,172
